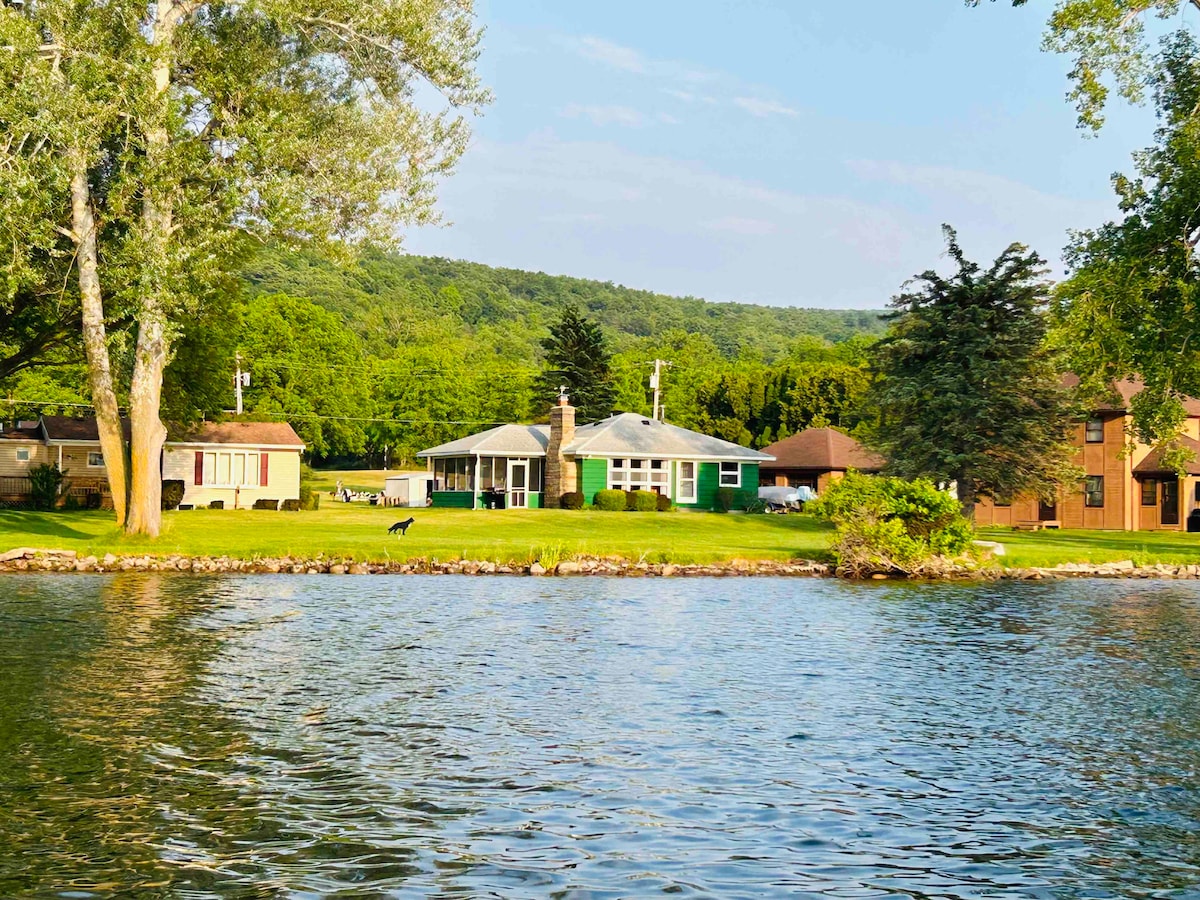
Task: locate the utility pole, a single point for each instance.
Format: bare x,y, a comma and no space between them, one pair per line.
240,380
656,386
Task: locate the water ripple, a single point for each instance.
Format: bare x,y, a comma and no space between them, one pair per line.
267,737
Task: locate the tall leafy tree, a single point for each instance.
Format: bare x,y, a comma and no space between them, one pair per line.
967,388
1107,40
147,142
578,358
1131,306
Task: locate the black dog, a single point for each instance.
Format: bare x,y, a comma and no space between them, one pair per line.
401,527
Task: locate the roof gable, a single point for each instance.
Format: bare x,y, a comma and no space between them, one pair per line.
630,434
826,449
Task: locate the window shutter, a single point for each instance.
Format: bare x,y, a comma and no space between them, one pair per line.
199,467
263,456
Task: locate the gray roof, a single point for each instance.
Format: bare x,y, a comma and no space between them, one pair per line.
504,440
630,434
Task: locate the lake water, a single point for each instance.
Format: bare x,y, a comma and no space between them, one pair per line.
375,737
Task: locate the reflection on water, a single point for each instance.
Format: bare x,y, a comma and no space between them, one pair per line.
286,737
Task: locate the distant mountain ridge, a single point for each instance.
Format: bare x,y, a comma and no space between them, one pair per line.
381,288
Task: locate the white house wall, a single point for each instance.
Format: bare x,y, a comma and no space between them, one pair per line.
283,476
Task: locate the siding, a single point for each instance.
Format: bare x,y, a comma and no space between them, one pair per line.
283,477
593,477
453,499
707,477
9,465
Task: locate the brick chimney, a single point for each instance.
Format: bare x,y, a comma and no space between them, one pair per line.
560,472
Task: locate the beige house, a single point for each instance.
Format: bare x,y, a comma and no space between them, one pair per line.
1125,487
236,463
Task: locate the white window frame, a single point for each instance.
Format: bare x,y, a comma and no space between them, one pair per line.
250,470
640,474
736,473
24,454
682,495
95,465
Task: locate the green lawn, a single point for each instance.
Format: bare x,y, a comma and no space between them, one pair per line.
325,480
358,531
1051,547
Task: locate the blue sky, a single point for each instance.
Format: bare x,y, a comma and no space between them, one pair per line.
798,153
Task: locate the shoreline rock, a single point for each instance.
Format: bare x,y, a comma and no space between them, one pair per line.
35,559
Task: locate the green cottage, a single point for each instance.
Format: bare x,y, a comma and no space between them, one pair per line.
532,466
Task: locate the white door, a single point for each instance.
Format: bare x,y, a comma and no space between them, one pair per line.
518,495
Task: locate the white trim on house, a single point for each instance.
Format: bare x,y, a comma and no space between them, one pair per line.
737,473
680,496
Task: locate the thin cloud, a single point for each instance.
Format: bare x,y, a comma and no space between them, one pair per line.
624,58
603,116
762,109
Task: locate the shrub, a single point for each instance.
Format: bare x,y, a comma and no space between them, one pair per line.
630,500
216,504
311,500
265,503
726,497
292,504
891,525
71,503
610,501
645,501
44,484
172,493
93,500
663,503
571,500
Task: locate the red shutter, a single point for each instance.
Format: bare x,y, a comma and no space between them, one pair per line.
199,467
263,456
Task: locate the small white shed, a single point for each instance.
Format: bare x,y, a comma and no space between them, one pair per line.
409,489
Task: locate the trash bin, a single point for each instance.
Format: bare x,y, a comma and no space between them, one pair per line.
1193,520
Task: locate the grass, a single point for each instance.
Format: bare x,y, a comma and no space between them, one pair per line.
351,530
1051,547
357,531
370,480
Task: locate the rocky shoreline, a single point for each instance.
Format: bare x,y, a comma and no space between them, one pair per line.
33,559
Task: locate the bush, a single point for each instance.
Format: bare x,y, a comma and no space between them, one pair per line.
645,501
93,500
265,503
310,500
891,525
172,493
610,501
45,482
630,500
571,500
292,504
663,503
71,504
726,498
216,504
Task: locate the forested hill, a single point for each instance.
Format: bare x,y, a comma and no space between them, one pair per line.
384,293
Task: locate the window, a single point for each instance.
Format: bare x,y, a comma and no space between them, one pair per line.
1095,431
686,492
452,474
95,459
22,454
1149,492
731,474
1093,491
230,470
640,475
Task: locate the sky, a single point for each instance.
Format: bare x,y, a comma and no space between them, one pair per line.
787,152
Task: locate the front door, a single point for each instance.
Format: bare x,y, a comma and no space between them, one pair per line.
1047,512
1169,495
518,494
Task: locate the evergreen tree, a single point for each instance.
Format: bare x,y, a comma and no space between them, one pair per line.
967,388
578,358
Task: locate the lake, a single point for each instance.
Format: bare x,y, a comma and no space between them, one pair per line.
275,736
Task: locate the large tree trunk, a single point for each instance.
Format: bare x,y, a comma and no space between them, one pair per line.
95,340
153,344
968,496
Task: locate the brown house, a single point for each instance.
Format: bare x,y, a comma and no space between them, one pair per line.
1129,491
814,457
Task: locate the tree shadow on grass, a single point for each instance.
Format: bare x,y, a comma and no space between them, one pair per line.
48,524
